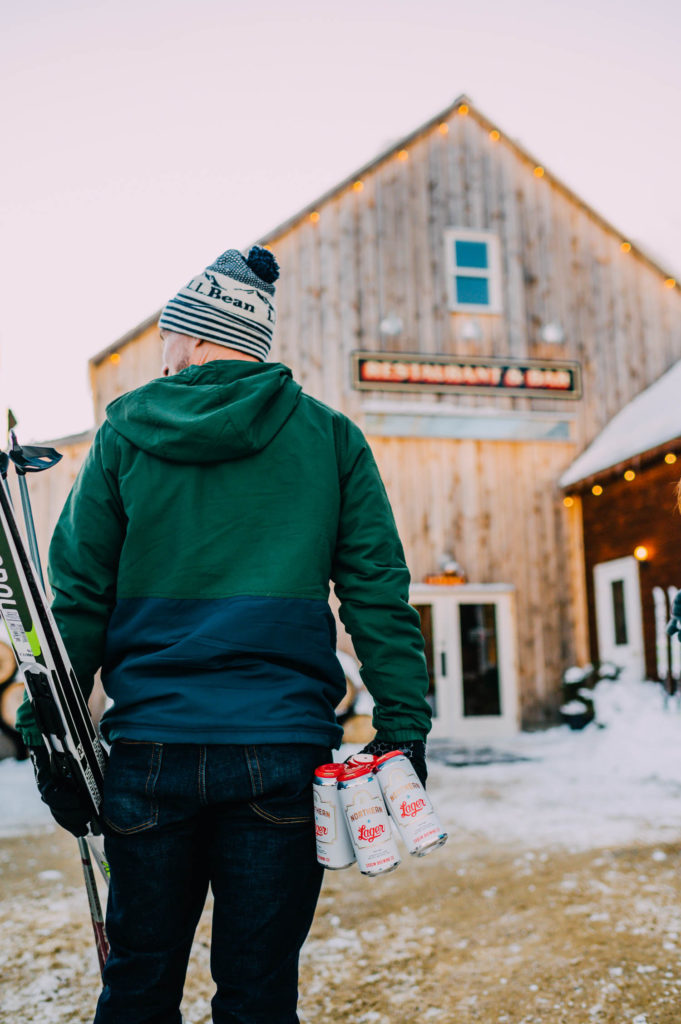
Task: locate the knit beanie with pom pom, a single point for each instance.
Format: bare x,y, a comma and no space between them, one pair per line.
230,303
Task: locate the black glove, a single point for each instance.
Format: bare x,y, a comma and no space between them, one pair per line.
69,807
415,750
674,624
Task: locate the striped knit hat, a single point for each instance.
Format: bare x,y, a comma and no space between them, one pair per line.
229,303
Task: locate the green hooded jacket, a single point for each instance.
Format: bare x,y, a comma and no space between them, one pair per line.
192,561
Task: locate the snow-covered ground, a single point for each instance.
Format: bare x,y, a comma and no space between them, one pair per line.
21,809
618,781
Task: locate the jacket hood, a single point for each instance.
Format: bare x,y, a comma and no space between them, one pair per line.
223,410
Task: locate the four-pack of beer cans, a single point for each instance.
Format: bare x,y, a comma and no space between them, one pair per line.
354,804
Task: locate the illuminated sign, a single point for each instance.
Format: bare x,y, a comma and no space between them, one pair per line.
392,371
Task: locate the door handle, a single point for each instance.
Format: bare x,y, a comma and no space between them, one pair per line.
443,663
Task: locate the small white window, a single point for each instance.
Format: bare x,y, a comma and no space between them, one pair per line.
473,268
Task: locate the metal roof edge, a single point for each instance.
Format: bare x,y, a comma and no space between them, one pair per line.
385,154
485,122
81,438
121,342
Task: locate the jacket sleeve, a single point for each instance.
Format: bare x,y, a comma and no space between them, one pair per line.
83,567
372,584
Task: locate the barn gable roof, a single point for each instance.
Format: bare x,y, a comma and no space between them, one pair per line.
461,105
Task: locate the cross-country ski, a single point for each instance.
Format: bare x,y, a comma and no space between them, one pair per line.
72,752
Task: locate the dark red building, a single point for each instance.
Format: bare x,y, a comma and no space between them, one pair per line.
626,484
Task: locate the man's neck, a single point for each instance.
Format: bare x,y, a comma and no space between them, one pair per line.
207,352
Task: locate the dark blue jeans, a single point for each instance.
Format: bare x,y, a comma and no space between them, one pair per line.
178,818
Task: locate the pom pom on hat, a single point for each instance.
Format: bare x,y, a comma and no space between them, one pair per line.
262,262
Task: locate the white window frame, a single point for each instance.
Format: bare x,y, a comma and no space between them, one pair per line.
491,273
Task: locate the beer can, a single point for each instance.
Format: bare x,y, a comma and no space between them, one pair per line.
334,848
409,804
368,821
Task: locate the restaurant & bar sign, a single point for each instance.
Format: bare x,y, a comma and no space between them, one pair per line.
392,371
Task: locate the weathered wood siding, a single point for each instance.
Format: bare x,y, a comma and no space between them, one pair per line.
496,507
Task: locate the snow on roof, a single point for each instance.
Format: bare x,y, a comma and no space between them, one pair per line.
649,420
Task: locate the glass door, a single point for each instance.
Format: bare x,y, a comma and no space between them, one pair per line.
480,679
470,654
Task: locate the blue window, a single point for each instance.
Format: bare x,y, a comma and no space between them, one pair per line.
472,290
471,254
473,265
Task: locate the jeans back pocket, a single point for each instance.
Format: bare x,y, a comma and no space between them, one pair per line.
281,781
129,803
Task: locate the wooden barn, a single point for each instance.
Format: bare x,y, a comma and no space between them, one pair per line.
482,325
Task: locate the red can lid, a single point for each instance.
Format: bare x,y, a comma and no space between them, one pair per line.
329,771
361,758
355,770
386,757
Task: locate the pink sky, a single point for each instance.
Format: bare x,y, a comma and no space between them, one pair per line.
142,139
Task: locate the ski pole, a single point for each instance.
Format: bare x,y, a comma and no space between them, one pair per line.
35,460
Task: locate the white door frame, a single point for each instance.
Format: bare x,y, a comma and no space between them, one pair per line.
630,656
445,696
450,721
